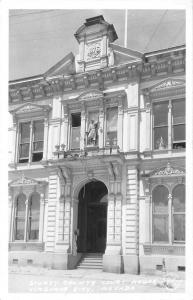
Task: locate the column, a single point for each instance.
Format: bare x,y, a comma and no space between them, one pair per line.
83,126
45,150
101,130
26,219
41,223
11,216
120,124
170,125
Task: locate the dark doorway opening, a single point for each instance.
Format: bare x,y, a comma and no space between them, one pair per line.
92,217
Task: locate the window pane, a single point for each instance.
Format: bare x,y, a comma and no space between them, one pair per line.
20,217
179,132
179,227
25,132
160,111
160,199
38,130
178,197
75,138
178,111
112,114
160,228
20,224
161,138
24,150
20,206
34,212
38,146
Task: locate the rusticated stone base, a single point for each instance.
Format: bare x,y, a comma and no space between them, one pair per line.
112,263
60,261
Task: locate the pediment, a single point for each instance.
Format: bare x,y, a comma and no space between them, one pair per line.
123,55
65,66
168,171
90,95
30,108
167,84
23,181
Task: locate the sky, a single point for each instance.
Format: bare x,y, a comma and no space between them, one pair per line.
38,39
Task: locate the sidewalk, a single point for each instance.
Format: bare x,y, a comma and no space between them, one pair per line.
33,279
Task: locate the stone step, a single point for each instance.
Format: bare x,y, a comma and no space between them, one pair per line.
91,261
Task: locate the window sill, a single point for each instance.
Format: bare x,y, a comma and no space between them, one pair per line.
26,246
164,249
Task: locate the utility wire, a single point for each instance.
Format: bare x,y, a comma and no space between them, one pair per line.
30,13
155,31
37,19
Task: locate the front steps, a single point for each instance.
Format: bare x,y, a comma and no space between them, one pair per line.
91,261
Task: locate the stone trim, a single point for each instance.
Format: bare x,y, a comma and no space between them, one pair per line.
150,249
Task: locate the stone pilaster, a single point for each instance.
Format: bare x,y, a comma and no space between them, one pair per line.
120,124
83,126
41,223
112,261
51,212
131,223
101,124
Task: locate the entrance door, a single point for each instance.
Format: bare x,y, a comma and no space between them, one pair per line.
92,217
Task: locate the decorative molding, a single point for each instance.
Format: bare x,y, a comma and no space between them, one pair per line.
29,108
167,171
150,249
168,83
91,95
22,181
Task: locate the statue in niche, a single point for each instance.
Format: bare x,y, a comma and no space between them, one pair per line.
92,133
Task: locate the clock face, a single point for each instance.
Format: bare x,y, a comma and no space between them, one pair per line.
93,51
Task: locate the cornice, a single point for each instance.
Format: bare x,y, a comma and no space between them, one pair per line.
99,79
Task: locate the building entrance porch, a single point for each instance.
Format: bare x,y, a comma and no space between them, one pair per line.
92,217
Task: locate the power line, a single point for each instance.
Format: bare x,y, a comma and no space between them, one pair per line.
30,13
36,19
155,30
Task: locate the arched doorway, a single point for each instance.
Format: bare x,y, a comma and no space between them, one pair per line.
92,217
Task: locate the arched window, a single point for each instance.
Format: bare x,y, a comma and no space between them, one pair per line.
20,217
178,212
33,217
160,214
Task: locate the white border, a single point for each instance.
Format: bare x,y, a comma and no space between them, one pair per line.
94,4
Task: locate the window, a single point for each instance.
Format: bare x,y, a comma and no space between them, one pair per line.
20,217
31,141
33,217
168,219
111,126
178,124
160,214
169,124
75,130
31,227
178,198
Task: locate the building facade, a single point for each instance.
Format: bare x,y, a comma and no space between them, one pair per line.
97,158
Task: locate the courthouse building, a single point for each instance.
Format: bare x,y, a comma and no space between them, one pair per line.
97,159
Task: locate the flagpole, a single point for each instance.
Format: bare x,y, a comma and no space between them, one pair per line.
125,41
